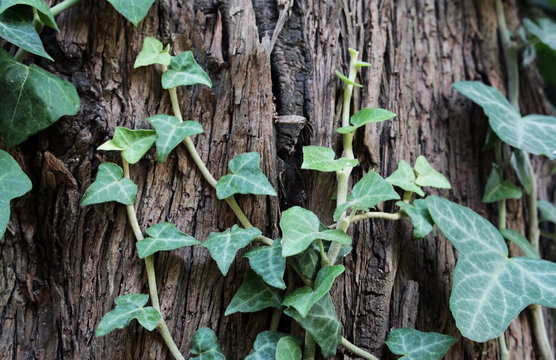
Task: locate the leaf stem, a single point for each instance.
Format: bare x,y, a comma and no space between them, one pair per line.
357,351
504,353
275,320
377,215
310,347
295,268
548,235
63,6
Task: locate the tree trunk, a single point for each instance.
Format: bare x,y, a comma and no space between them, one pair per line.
62,266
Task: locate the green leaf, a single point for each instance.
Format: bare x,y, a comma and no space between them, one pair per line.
497,189
132,10
13,183
163,237
322,324
184,71
288,349
246,178
32,99
170,132
153,53
418,345
369,191
419,215
544,30
366,116
489,289
110,185
535,134
346,80
206,345
268,263
308,261
254,295
548,211
17,28
132,143
129,307
42,9
265,345
304,298
521,241
300,227
404,177
427,176
522,166
223,246
322,159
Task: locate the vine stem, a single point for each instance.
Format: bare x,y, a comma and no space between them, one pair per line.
63,6
151,276
548,235
357,351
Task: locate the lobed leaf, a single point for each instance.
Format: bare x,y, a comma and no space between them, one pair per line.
404,177
132,143
152,53
13,184
288,349
163,237
17,28
322,159
366,116
265,345
184,71
268,263
521,165
428,176
521,241
308,261
254,295
419,215
497,189
129,307
171,132
110,185
32,99
547,210
246,178
42,10
206,345
418,345
132,10
544,30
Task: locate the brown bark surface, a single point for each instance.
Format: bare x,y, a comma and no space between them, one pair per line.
62,266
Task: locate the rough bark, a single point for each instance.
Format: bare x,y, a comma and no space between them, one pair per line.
62,266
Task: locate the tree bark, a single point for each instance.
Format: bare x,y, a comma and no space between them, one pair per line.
62,266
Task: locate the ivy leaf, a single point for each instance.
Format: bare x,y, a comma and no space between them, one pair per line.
548,211
153,53
418,345
498,189
369,191
163,237
427,176
308,261
288,349
300,227
170,132
13,183
132,10
545,30
521,241
129,307
346,80
17,28
184,71
42,9
246,178
110,185
520,163
32,99
132,143
206,345
304,298
535,134
419,215
254,295
366,116
489,289
223,246
268,263
265,344
322,324
404,177
322,159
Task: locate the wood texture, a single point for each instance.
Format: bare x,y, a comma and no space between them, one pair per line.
62,266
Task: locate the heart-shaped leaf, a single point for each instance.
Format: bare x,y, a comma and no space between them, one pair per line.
268,263
535,134
32,99
521,241
497,189
42,10
13,183
132,143
547,210
322,159
288,349
419,215
132,10
404,177
184,71
254,295
522,166
304,298
265,345
163,237
544,30
246,178
366,116
489,289
308,261
369,191
110,185
223,246
300,227
206,345
427,176
170,132
418,345
129,307
152,53
17,28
